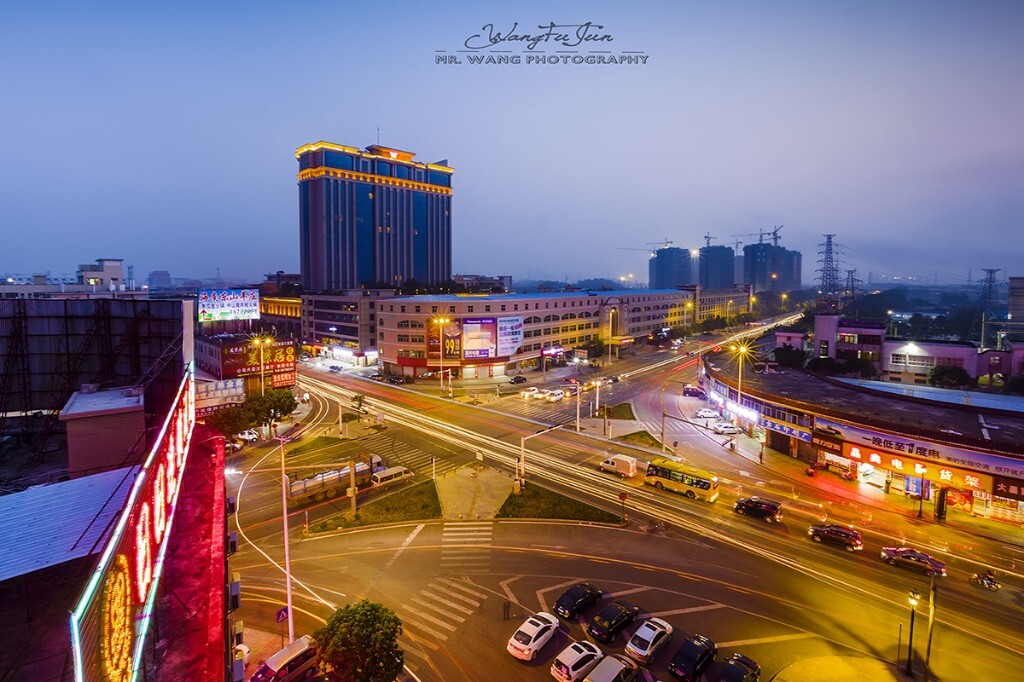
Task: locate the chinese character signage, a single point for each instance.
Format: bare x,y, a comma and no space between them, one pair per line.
220,305
953,477
510,335
479,337
1008,488
217,395
110,621
784,427
249,359
450,337
283,380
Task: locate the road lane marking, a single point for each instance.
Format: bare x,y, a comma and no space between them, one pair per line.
541,592
431,631
460,586
454,596
508,590
444,612
767,640
450,604
401,548
692,609
427,616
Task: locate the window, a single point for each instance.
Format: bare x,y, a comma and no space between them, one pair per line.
502,308
470,308
417,308
403,338
487,308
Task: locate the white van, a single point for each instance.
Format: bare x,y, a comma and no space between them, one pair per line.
623,465
297,661
390,475
555,396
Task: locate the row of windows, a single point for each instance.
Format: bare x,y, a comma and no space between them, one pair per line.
409,324
405,338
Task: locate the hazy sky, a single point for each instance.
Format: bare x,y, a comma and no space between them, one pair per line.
166,135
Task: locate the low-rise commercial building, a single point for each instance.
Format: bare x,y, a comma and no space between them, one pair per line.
343,325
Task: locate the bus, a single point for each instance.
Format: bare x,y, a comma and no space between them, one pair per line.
666,474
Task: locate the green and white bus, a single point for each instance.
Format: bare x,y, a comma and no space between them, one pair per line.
697,484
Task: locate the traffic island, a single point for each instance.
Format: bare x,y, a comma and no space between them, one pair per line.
538,502
416,503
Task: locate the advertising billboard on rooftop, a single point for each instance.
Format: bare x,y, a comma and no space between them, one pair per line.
479,337
222,305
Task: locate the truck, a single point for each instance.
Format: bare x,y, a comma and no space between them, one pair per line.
330,483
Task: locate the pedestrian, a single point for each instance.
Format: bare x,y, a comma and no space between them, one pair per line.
506,607
760,457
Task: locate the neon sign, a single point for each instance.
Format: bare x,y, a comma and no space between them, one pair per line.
111,619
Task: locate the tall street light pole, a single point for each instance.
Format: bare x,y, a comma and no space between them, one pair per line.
441,323
913,597
287,553
521,477
741,351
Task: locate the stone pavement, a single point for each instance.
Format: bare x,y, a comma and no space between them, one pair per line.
473,492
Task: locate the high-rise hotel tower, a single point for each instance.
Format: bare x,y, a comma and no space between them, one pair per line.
372,218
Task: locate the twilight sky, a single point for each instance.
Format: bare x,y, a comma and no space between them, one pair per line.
165,135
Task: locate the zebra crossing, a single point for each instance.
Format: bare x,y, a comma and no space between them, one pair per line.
542,410
465,547
439,609
396,453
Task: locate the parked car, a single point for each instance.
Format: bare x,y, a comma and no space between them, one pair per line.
334,368
377,376
708,413
652,634
612,617
398,381
739,668
232,446
575,661
726,427
614,668
517,379
694,391
532,635
837,535
693,658
905,557
577,598
529,392
249,436
769,510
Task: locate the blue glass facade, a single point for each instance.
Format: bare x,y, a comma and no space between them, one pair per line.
366,221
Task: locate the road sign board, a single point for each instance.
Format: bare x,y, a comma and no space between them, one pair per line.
623,496
282,614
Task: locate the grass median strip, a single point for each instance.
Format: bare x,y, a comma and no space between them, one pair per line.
416,503
641,438
538,502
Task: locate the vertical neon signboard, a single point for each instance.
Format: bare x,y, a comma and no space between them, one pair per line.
111,619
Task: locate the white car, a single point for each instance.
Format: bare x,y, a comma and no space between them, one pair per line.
575,661
725,427
529,392
532,635
249,436
648,639
708,413
542,395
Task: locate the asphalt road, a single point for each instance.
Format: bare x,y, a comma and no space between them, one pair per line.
766,591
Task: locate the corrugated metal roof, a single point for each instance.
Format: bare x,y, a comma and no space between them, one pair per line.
49,524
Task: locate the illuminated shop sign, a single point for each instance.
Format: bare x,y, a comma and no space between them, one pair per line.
784,427
250,359
110,620
510,335
479,337
933,471
219,305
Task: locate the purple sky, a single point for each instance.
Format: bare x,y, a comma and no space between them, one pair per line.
166,136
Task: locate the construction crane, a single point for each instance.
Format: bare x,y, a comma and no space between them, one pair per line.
632,248
662,244
762,234
708,238
775,235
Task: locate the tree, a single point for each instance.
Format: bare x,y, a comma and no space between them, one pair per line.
230,421
360,644
788,356
358,399
824,365
282,402
949,376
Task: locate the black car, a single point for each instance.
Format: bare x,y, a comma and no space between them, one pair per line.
837,535
769,510
611,618
693,658
739,668
396,380
517,379
577,598
377,376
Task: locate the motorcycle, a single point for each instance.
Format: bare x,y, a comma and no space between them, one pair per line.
811,471
984,581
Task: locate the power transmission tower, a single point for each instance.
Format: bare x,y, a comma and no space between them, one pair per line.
828,288
850,291
987,298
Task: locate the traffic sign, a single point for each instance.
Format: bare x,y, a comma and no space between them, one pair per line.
282,614
623,496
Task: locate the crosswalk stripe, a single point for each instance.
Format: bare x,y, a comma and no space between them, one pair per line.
406,621
469,601
461,586
427,616
443,598
444,612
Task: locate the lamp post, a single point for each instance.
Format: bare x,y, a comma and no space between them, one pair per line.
741,351
260,343
441,322
913,598
521,478
287,553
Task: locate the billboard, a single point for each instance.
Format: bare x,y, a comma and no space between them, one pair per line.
510,335
479,337
450,337
221,305
249,359
217,395
110,621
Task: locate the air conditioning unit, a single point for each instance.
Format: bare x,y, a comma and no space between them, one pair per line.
231,504
235,592
232,543
239,633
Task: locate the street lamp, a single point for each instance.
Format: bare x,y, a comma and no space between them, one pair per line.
441,323
741,350
260,343
913,598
